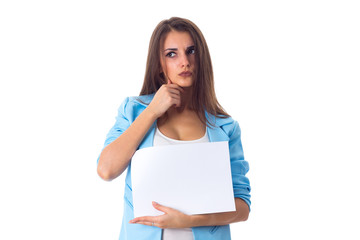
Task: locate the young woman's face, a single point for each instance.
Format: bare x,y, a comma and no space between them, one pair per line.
178,58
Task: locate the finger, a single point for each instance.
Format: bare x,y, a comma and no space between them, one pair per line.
170,83
175,100
142,219
175,86
161,207
174,91
146,223
177,103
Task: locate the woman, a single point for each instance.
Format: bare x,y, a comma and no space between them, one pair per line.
177,104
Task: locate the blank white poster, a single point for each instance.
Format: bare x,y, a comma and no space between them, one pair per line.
193,178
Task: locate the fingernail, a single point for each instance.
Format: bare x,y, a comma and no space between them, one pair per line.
155,203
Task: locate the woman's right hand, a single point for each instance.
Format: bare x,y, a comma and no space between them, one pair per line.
167,95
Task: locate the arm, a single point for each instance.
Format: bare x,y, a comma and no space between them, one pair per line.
123,139
173,218
241,185
241,214
239,167
116,156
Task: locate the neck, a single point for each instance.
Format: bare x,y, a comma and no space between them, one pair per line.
185,99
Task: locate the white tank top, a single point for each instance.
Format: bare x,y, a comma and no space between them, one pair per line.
176,233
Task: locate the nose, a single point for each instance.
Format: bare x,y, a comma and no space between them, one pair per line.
185,61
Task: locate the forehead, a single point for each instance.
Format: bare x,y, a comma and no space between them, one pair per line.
178,39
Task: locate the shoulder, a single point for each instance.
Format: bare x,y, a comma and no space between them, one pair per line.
227,124
142,100
132,106
230,126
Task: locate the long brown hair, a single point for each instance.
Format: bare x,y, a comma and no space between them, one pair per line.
203,97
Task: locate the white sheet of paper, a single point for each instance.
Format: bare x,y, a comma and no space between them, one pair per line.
193,178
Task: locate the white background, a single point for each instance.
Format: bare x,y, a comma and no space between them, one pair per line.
288,71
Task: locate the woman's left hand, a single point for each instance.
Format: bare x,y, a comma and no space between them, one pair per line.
170,219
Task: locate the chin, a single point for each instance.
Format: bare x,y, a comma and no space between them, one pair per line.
185,84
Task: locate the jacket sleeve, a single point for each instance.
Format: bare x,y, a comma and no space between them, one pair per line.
239,166
121,124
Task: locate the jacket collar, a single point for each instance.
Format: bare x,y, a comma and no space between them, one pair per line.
215,134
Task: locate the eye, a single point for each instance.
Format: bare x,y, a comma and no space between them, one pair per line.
191,51
171,54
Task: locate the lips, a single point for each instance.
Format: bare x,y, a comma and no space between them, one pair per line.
185,74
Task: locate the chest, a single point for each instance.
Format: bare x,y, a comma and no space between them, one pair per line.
184,129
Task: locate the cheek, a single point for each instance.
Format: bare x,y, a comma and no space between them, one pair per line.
192,60
171,67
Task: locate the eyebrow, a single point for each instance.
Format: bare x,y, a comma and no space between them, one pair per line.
175,49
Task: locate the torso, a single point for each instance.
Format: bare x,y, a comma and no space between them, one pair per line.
185,126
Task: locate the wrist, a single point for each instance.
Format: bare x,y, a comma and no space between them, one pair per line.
198,220
148,111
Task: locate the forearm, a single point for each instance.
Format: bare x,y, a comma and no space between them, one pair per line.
241,214
115,157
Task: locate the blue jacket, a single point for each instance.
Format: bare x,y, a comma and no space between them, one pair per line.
226,130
